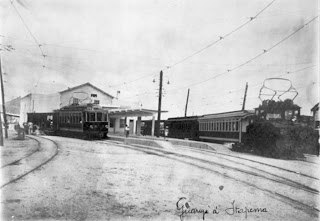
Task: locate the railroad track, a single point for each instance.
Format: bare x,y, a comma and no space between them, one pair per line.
23,157
34,162
245,159
244,175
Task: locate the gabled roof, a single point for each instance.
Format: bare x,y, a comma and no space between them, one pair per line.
86,84
315,107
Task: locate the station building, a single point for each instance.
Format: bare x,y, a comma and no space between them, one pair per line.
121,113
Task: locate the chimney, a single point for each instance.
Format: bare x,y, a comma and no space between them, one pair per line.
118,94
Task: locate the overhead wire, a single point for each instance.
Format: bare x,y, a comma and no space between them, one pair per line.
32,35
34,38
222,37
242,89
167,67
204,48
250,60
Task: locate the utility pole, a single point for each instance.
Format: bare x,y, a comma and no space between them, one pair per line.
1,133
3,104
245,96
185,112
159,104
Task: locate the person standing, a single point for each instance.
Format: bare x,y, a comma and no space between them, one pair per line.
127,131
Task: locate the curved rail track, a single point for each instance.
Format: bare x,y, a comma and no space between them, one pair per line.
244,174
28,156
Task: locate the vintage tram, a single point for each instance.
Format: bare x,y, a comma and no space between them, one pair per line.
82,121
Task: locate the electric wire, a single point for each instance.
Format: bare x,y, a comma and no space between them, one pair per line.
250,60
204,48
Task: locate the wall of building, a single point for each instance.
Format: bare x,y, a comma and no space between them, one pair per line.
104,100
38,103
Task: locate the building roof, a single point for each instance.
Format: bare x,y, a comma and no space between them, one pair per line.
132,112
315,107
86,84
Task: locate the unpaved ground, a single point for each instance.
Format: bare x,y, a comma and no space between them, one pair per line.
15,149
95,181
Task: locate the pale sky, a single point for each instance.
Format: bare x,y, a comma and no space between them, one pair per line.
121,45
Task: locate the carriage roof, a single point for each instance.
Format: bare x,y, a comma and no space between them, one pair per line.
232,114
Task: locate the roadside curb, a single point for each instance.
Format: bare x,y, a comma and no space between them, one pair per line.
169,143
53,152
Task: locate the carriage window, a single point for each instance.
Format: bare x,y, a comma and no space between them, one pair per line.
71,118
92,116
237,126
99,116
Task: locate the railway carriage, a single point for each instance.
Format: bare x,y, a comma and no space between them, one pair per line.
229,126
183,127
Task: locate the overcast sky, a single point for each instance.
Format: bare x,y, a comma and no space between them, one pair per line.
121,45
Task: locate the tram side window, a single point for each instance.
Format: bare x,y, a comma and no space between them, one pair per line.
99,116
92,117
71,118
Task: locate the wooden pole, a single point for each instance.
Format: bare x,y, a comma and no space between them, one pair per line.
245,96
185,112
3,103
159,104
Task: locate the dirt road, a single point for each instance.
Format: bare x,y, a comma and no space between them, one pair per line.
90,180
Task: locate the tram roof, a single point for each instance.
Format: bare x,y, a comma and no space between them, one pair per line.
233,114
81,107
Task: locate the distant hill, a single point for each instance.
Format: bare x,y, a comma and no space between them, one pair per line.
13,106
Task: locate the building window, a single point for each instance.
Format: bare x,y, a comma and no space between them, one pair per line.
122,123
93,95
96,102
75,101
111,123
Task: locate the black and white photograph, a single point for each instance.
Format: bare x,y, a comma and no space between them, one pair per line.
177,110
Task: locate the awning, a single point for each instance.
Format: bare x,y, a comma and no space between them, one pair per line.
133,112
